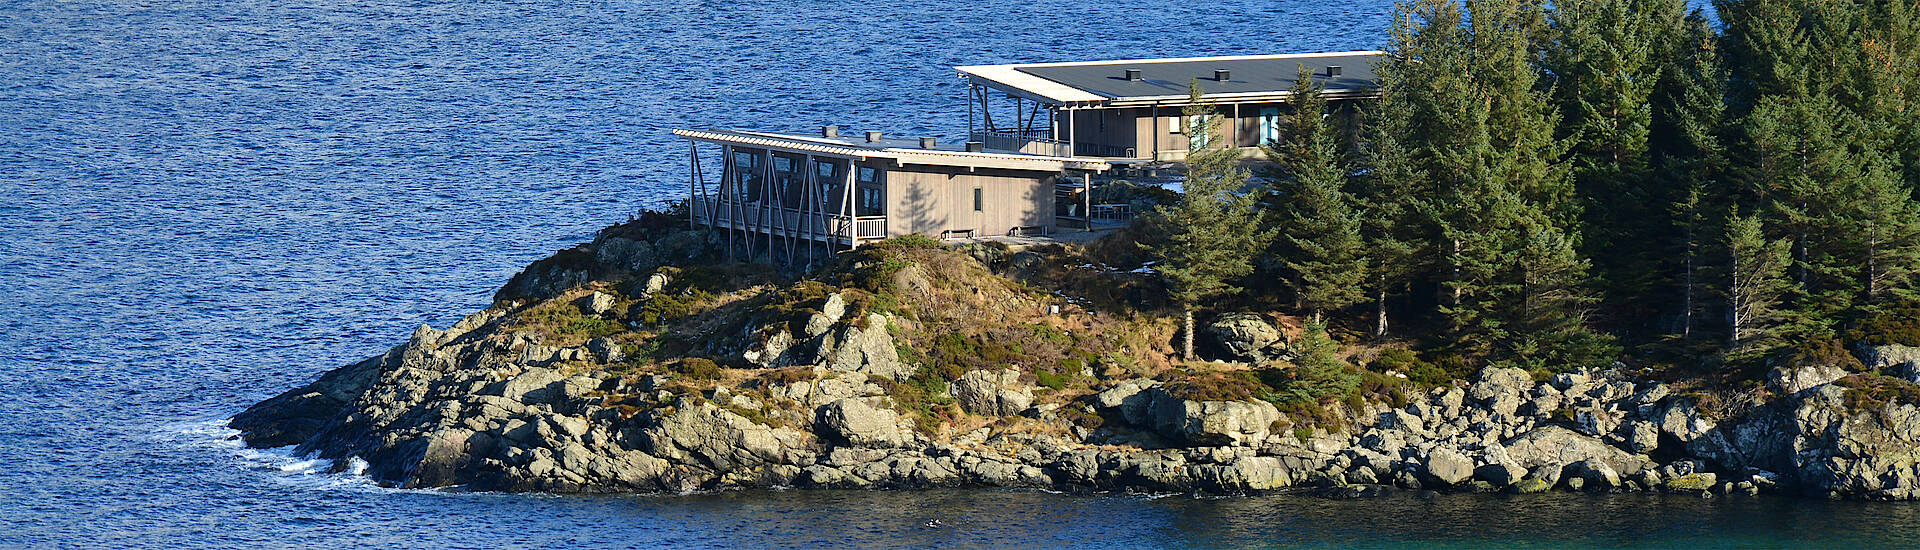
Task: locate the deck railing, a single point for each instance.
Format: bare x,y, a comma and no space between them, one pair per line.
1031,143
786,222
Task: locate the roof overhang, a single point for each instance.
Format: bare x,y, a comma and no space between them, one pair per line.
900,155
1013,81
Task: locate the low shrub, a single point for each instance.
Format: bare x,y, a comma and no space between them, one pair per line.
1216,386
1050,380
697,368
590,327
1893,324
1872,391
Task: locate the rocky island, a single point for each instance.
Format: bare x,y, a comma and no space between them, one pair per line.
640,362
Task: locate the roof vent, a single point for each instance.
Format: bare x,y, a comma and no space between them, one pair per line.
873,137
1133,75
976,147
927,143
1333,71
830,131
1222,75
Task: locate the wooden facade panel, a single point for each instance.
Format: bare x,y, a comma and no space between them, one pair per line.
936,201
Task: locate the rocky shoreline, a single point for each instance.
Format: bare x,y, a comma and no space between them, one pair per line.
486,405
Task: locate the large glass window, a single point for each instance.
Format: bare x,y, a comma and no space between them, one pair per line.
826,180
746,175
872,193
786,173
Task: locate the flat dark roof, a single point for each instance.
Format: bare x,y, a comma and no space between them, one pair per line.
1165,78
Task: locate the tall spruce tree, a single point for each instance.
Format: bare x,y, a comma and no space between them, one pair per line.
1606,60
1213,231
1389,229
1689,161
1756,284
1502,206
1318,222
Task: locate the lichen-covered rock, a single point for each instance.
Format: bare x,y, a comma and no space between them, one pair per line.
1893,359
1691,483
1494,383
992,392
867,349
654,285
1212,423
1128,401
1246,336
1793,380
1556,446
854,422
597,303
1448,467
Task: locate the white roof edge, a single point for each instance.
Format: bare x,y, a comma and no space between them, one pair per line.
1182,59
903,156
1010,76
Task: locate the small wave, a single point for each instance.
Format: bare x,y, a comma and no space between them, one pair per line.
279,464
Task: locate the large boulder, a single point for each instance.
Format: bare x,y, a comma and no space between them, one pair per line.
1792,380
1495,383
1247,336
992,392
1893,359
1557,446
831,311
1448,467
1595,475
1500,474
1129,401
597,303
719,439
863,347
852,421
654,284
1212,423
624,253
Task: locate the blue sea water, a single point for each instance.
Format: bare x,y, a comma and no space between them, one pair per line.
205,203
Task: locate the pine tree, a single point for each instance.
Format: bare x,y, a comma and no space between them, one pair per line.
1756,284
1389,228
1213,231
1318,372
1606,60
1690,161
1318,224
1887,220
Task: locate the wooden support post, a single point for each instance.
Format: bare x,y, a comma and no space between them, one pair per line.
727,175
693,187
699,174
1086,197
766,194
853,225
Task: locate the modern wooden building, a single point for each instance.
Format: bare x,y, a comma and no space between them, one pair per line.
1130,110
794,195
780,194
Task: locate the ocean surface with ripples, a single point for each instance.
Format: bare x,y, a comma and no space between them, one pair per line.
203,204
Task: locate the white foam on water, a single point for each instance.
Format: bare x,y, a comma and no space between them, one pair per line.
280,464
